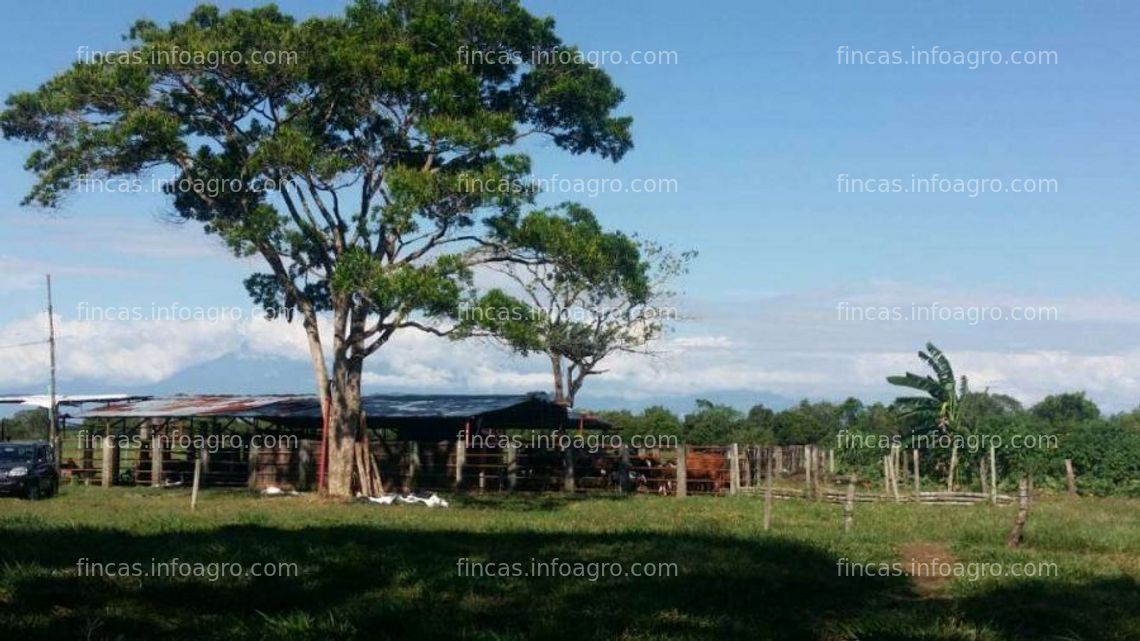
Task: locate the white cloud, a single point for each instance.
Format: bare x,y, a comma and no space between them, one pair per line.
790,345
125,353
701,342
487,378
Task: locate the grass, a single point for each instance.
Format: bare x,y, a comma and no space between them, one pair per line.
379,572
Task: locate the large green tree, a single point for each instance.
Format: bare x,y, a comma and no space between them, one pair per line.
807,423
655,421
347,167
26,425
712,423
1064,411
576,293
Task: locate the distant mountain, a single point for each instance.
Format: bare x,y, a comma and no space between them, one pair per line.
237,375
231,374
683,404
243,374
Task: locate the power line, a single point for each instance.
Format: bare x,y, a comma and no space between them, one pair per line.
28,344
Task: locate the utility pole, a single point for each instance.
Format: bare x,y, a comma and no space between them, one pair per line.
53,418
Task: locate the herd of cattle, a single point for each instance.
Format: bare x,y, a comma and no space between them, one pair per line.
704,470
707,470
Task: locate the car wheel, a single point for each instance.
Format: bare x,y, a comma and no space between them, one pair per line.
34,492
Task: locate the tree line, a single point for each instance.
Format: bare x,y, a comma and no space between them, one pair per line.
1104,448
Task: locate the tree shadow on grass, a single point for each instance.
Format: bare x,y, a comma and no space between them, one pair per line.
360,582
1105,610
376,583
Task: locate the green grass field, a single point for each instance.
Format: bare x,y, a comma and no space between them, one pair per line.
380,572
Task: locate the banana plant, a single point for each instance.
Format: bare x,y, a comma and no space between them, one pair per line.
939,409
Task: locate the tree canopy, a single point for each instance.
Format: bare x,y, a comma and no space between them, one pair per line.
361,167
577,293
1066,410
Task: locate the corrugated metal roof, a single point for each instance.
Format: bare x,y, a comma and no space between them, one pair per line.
450,406
43,400
201,405
376,406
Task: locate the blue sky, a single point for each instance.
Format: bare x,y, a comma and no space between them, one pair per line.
755,123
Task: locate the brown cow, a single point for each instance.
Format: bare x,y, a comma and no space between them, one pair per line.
710,466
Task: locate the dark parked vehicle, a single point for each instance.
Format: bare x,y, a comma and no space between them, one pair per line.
27,468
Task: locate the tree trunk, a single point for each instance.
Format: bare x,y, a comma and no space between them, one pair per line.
559,380
350,464
317,356
575,378
321,374
344,426
1018,532
312,334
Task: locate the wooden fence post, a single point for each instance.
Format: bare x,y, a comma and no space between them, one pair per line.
734,469
155,460
88,456
568,484
982,473
413,463
623,468
1070,478
512,456
849,504
807,467
108,472
460,460
917,474
993,475
682,473
886,474
304,464
817,467
779,454
1018,531
895,472
953,466
204,454
197,480
746,472
768,495
831,461
254,455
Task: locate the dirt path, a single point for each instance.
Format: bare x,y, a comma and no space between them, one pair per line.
921,562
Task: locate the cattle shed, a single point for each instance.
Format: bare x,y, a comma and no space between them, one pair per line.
262,440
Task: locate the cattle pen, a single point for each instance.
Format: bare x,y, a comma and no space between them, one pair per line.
522,443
